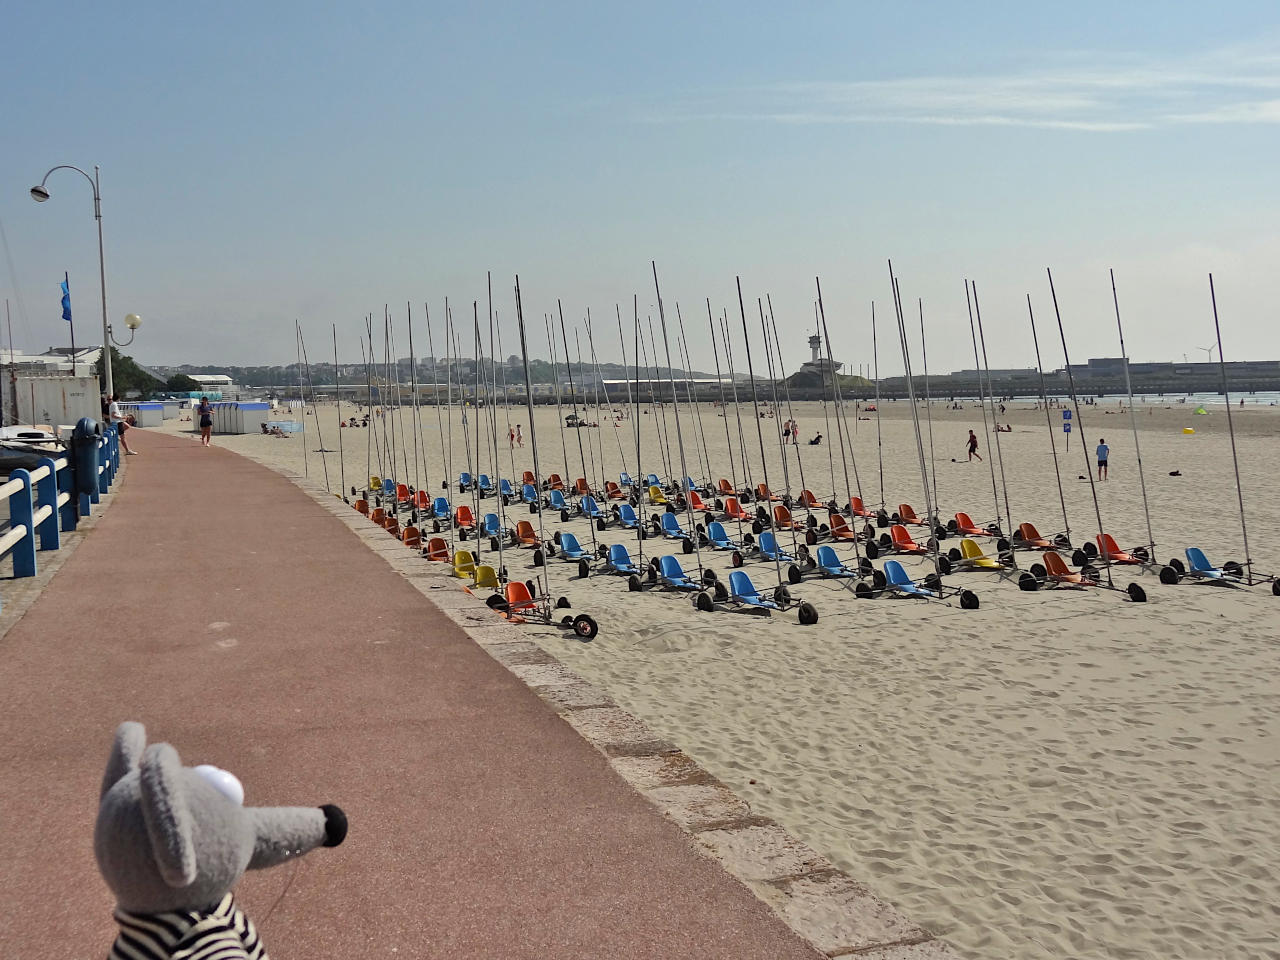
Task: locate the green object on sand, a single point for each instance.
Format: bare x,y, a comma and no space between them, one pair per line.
1202,411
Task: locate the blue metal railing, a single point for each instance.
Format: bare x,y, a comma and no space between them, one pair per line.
43,503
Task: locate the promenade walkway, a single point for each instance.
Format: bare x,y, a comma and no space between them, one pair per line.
220,605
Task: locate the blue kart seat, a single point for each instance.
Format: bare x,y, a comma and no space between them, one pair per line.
570,549
830,564
718,538
770,550
672,574
627,516
743,590
620,560
671,527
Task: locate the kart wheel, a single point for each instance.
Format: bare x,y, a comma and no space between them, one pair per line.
1275,588
954,554
802,552
584,627
793,574
718,504
1028,582
435,526
633,583
1136,593
564,516
940,532
1039,572
538,558
1169,576
496,601
551,550
703,602
719,592
584,569
533,508
868,531
1002,545
640,532
781,595
563,603
878,580
493,544
653,575
931,544
1079,558
944,566
824,528
671,508
1017,534
808,613
932,581
873,550
862,591
1062,541
686,546
968,600
995,530
864,567
709,576
951,525
749,540
1178,565
886,541
602,552
556,538
1233,569
1089,572
811,536
1142,554
757,527
1090,549
882,519
600,524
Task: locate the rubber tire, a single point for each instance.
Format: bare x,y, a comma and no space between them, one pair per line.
1039,571
807,614
564,516
1090,549
878,580
633,583
886,541
539,558
1233,569
1028,582
810,537
735,558
873,550
781,595
704,602
793,574
968,600
951,525
1169,576
719,591
757,527
709,577
686,546
555,538
1079,558
1002,545
584,627
865,568
1136,593
584,569
954,554
1178,565
862,591
944,565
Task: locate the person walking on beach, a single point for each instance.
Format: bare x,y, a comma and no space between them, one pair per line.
511,438
1104,453
519,435
205,412
973,447
121,423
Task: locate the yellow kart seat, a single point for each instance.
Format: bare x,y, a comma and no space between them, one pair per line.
486,576
969,550
657,497
464,564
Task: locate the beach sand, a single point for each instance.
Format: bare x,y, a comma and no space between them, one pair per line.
1056,774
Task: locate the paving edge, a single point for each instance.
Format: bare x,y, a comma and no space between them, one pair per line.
18,594
837,915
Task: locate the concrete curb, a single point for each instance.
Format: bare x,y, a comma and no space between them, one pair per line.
838,915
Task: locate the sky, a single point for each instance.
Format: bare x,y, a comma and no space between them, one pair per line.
263,164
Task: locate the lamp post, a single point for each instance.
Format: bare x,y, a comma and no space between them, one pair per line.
40,194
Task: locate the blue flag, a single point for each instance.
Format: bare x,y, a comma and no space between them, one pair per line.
66,299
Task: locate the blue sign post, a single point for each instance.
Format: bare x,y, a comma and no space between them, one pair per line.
1066,426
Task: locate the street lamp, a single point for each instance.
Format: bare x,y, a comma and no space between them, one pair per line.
133,322
40,194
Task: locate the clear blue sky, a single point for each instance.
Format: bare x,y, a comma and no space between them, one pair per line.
266,162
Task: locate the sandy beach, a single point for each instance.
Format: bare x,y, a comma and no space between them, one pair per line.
1055,774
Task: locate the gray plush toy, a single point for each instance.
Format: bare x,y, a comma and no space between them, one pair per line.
172,841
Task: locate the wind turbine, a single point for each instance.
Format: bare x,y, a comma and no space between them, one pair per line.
1209,350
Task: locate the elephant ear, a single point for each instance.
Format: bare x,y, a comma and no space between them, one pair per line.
126,753
167,815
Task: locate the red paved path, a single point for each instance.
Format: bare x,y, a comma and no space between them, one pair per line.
481,824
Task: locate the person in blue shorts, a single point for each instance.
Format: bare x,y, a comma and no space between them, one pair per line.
1104,452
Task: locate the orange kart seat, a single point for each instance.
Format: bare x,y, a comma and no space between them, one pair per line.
362,506
733,509
525,534
966,526
840,529
411,537
907,514
902,541
613,491
580,487
378,515
402,493
422,500
696,502
857,508
1031,537
807,499
1111,553
783,520
463,517
724,486
1057,570
392,526
529,478
554,482
765,493
518,597
437,549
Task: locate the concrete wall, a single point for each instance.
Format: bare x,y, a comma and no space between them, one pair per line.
56,401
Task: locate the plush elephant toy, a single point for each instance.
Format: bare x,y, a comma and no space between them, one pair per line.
171,841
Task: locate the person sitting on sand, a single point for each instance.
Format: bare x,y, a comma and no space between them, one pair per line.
816,441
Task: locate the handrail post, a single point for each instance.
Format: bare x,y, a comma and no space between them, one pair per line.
104,477
66,483
47,493
21,512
